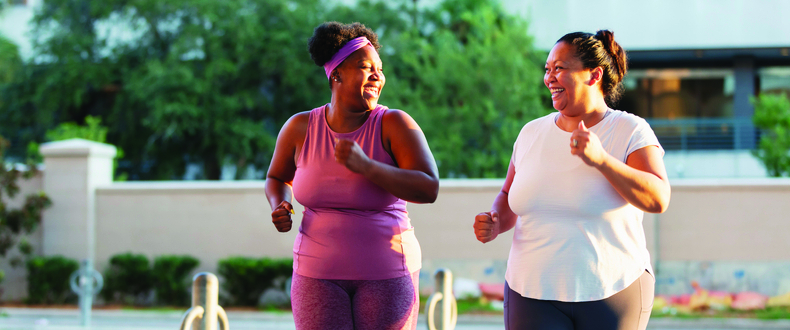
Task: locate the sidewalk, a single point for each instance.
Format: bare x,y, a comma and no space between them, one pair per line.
68,319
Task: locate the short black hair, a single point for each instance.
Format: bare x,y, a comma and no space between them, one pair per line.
329,37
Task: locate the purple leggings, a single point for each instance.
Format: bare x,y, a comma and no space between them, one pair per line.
390,304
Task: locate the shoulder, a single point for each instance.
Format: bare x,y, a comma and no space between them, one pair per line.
296,125
538,123
628,120
394,119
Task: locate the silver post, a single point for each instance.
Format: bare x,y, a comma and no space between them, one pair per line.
205,310
86,282
444,293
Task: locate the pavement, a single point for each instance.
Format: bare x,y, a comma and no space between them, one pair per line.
68,319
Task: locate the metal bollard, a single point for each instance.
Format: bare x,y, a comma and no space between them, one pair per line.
205,310
444,293
86,282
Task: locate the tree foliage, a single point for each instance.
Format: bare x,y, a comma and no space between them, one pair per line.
196,81
772,115
471,82
15,223
211,82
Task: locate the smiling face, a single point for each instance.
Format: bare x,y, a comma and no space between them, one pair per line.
361,79
567,79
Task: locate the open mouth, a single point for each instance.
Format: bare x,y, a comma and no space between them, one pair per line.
556,91
371,90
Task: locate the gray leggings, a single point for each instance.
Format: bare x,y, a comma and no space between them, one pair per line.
626,310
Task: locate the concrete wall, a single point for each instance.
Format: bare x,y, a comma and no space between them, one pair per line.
736,225
726,233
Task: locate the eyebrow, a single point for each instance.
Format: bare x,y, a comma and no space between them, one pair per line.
372,61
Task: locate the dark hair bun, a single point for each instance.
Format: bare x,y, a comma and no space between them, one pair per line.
614,50
329,37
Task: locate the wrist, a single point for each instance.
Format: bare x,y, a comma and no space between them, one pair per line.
605,162
368,168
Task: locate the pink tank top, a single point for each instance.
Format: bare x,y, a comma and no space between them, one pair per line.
352,229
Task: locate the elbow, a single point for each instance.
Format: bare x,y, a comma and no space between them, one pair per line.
429,194
660,203
432,193
657,208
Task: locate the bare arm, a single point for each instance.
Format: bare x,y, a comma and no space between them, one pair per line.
488,225
282,169
641,180
415,178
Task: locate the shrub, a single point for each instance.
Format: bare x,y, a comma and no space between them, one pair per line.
48,280
772,115
245,279
128,279
170,274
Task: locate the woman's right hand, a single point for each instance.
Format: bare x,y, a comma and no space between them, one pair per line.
281,217
486,226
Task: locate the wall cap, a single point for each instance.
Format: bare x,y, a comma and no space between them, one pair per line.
77,148
730,182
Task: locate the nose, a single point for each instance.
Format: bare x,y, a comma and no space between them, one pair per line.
548,77
378,75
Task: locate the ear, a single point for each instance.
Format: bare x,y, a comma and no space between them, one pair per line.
335,75
596,75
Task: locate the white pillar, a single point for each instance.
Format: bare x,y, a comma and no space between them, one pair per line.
73,170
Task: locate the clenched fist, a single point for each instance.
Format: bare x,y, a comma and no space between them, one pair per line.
281,216
350,154
587,146
486,226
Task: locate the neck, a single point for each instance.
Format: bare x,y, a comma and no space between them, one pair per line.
344,118
591,113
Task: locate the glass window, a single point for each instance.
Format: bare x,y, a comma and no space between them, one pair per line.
679,93
775,80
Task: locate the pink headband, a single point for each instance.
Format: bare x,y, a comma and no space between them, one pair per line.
350,47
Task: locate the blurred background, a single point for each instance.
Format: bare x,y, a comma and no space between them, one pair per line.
137,134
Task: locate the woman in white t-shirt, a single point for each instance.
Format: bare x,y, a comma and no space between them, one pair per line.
579,182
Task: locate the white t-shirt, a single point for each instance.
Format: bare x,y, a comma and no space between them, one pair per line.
576,238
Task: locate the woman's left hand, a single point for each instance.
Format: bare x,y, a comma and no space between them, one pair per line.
350,154
587,146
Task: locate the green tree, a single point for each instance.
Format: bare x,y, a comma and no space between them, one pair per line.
772,115
211,82
470,76
187,81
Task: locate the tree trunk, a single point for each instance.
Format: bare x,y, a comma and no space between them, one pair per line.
212,169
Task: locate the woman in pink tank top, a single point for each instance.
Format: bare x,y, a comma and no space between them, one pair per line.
353,164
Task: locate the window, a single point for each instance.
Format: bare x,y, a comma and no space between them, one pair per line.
689,109
679,93
774,80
